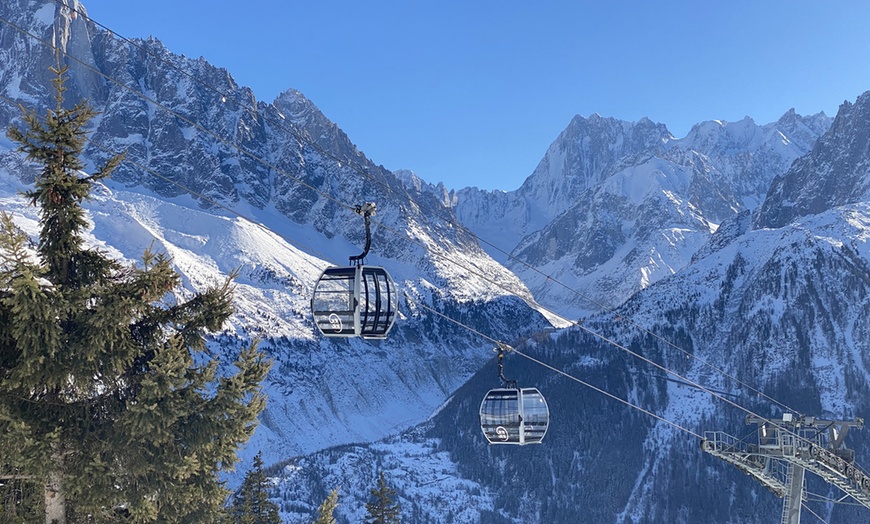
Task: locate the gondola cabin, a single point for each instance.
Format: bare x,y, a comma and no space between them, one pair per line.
514,416
355,301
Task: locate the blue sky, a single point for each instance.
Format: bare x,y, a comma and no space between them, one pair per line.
473,92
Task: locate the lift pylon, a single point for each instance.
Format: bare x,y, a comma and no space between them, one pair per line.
786,448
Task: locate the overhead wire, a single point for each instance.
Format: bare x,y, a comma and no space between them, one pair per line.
329,197
364,172
815,497
562,373
349,207
645,359
575,379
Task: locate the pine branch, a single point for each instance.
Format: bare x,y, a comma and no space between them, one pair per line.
98,385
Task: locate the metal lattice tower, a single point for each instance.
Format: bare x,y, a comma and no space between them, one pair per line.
789,447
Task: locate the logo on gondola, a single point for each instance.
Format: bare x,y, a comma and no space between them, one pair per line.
335,322
502,434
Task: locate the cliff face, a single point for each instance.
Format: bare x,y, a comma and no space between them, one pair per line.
835,173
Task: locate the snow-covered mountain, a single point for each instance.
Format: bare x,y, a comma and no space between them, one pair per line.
615,206
834,175
221,181
675,234
771,319
582,157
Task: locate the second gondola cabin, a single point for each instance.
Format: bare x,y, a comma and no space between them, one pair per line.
355,301
517,416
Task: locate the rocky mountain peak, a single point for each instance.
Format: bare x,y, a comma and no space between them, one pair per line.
584,154
58,23
298,109
719,134
588,147
302,114
832,174
806,129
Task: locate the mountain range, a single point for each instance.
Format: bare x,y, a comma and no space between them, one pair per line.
771,319
736,256
222,182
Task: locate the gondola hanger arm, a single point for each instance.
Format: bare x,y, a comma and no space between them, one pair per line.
501,349
367,210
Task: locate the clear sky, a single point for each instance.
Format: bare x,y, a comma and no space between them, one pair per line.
472,92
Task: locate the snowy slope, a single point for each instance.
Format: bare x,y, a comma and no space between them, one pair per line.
620,211
781,311
198,146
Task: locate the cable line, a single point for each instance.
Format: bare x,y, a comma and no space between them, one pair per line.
575,379
560,372
329,197
813,513
625,349
353,165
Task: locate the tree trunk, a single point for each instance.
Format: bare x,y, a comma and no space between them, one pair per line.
55,502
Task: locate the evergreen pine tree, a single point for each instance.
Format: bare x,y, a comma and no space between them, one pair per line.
108,401
252,504
325,511
381,509
19,500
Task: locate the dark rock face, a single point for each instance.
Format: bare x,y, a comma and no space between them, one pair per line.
834,173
